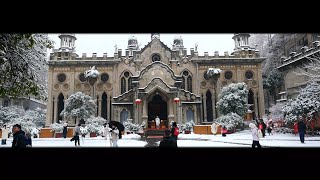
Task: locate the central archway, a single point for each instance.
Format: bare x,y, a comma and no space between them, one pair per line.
157,107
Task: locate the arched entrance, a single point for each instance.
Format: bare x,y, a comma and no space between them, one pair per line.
157,107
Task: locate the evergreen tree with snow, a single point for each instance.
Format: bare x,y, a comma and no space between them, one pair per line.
21,58
95,124
306,104
79,106
276,111
233,98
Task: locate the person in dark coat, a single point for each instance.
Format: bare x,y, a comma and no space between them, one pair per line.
167,141
18,137
65,130
28,140
264,127
302,130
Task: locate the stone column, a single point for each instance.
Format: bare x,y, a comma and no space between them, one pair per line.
144,111
260,92
255,104
205,108
108,108
55,110
99,111
214,106
195,114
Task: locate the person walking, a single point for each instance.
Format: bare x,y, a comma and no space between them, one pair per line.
174,132
76,133
302,130
18,137
4,133
255,137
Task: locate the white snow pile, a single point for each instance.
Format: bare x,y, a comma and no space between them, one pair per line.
93,72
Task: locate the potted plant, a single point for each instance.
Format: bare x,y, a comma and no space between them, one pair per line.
188,127
57,128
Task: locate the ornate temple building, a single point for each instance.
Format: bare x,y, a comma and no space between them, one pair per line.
156,80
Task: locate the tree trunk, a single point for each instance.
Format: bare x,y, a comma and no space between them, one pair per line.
75,121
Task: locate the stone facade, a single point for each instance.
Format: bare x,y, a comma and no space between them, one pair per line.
292,67
156,74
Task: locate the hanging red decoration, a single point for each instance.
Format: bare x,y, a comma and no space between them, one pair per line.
138,101
176,100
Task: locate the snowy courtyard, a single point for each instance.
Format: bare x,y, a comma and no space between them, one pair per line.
237,140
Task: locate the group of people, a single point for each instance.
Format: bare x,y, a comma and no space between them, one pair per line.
113,134
299,127
20,138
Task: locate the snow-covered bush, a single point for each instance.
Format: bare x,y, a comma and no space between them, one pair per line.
57,127
99,120
26,125
94,128
79,105
276,111
95,124
233,98
36,116
132,127
230,121
9,113
188,126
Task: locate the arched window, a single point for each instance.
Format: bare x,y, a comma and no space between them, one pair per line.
251,100
183,83
189,83
209,106
130,83
126,82
104,105
186,77
60,106
123,85
190,115
124,115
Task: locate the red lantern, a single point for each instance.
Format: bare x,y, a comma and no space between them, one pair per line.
176,100
138,101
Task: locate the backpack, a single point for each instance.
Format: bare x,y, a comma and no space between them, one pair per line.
176,131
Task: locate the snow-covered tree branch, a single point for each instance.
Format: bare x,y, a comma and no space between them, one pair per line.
21,56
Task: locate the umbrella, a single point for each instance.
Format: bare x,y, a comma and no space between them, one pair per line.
117,124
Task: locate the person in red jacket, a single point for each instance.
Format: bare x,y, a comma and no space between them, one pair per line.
295,128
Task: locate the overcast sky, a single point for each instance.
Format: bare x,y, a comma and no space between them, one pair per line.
104,43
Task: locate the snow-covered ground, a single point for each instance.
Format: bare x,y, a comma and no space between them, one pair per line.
238,139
